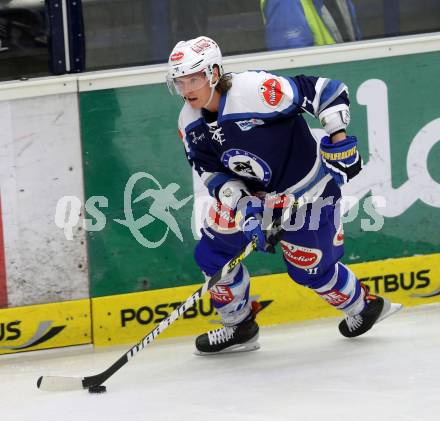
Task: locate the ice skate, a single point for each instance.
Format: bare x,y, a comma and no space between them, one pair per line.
239,338
377,308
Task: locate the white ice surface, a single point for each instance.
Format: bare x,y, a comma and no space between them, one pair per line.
302,372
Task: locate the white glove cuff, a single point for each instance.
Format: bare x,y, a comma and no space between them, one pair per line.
335,119
231,192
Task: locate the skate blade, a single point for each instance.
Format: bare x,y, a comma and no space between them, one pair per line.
389,309
246,347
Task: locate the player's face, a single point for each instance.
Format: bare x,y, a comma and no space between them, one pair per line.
195,88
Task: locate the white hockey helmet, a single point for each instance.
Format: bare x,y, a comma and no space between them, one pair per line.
193,56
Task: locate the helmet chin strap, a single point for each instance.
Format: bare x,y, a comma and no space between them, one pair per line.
210,97
212,85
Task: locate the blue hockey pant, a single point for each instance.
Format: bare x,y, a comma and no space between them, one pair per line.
311,250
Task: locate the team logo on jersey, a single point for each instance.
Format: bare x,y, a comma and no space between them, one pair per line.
244,168
301,257
246,125
196,138
271,92
177,56
216,133
247,165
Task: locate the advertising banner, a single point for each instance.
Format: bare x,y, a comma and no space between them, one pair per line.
128,318
45,326
133,158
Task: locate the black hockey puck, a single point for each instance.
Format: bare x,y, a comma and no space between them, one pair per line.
97,389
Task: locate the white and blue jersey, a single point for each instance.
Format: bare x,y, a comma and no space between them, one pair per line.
260,136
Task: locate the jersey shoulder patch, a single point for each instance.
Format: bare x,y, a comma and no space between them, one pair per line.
259,93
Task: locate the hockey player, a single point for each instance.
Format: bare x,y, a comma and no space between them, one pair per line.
245,136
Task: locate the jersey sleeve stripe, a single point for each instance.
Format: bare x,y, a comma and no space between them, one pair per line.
320,86
332,90
295,98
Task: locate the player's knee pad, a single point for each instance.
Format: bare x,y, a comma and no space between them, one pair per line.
341,289
230,297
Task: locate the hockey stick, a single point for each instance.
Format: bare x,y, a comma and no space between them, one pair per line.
59,383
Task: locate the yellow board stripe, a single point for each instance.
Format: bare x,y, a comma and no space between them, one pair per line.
123,319
45,326
127,318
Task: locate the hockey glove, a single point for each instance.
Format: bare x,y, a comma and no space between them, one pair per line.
249,216
341,159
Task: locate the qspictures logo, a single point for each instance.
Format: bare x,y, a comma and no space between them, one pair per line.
13,332
162,203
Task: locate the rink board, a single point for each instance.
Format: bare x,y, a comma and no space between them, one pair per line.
127,318
44,326
129,131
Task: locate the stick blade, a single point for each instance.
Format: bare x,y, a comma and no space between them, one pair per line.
59,384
